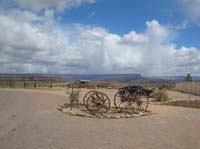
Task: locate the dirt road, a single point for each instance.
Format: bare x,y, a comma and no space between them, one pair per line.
31,121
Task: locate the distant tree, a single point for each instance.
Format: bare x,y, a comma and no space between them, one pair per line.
188,78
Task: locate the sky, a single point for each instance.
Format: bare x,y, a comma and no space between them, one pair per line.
149,37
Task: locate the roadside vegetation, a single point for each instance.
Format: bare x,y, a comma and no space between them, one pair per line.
74,96
160,96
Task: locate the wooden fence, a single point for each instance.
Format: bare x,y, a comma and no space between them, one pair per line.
32,84
189,87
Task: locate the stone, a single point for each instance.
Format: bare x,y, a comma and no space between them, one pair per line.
136,115
115,116
81,114
59,108
72,112
65,110
107,116
128,116
99,116
112,114
91,116
140,113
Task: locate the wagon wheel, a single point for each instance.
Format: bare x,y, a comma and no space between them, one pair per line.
141,99
98,102
122,99
86,96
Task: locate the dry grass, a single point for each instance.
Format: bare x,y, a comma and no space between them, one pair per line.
160,96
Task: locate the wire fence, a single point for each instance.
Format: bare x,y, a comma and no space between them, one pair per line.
33,84
191,87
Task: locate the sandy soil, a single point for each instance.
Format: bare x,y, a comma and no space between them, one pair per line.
182,96
30,120
55,91
175,95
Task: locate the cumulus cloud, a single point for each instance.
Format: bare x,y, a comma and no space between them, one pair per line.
133,37
59,5
183,25
192,8
31,43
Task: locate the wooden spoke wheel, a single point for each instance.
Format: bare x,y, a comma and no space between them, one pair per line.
141,100
98,102
122,99
87,95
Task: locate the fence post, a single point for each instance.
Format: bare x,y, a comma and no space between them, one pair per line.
10,84
24,84
35,85
68,85
190,89
51,85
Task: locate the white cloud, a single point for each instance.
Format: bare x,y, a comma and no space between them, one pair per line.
183,25
92,14
43,47
133,37
192,8
155,30
58,5
23,16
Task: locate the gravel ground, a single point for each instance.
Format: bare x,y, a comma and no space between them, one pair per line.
30,121
182,96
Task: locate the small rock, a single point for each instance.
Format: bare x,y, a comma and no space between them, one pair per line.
116,116
141,113
91,116
72,113
99,116
128,116
107,116
122,116
80,114
59,108
136,115
64,110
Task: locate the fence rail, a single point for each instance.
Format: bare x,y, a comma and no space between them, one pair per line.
32,84
189,87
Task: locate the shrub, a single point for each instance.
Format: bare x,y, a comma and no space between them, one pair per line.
160,96
74,97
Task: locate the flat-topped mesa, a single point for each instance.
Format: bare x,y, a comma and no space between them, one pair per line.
43,79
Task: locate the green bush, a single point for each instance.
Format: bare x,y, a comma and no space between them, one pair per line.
160,96
74,97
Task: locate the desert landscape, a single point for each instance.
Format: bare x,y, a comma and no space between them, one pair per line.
32,115
99,74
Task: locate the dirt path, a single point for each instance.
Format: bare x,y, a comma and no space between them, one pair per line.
32,121
16,106
182,96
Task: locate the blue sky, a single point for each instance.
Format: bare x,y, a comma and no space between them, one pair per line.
150,37
121,17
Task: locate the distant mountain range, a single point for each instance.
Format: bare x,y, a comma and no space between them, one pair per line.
106,77
178,78
95,77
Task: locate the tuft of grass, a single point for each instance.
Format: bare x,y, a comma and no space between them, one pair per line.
160,96
74,97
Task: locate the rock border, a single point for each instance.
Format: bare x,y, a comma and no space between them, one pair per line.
117,115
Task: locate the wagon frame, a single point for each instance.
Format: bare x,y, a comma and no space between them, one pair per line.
131,97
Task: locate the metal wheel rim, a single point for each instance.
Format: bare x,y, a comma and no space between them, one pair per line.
98,102
122,101
142,100
86,96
